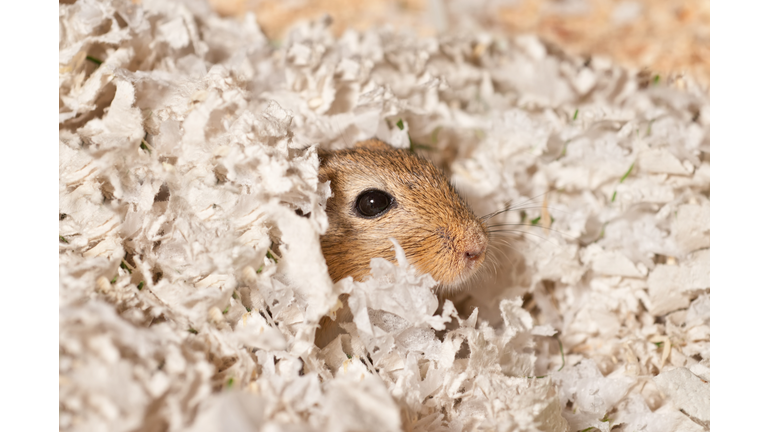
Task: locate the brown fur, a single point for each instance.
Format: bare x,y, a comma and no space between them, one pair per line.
434,226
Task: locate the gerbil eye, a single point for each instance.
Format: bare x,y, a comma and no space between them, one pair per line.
373,203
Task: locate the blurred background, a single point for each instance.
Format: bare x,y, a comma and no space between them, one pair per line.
658,37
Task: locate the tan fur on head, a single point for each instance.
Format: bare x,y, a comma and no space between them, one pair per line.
438,232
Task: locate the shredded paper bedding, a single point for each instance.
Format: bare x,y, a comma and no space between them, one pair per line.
190,289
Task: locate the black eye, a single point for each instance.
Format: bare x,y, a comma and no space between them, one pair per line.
373,203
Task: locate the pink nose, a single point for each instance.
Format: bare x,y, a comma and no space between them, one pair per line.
474,253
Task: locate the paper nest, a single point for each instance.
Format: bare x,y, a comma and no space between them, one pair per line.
184,155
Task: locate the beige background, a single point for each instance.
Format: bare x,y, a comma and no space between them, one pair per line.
666,37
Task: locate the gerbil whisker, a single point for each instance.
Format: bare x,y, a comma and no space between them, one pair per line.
531,225
525,233
482,276
501,239
530,199
518,231
495,257
536,207
492,258
508,207
506,210
494,214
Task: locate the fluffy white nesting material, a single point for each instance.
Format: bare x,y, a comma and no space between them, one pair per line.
190,289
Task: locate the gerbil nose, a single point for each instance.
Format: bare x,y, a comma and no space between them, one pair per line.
475,246
474,253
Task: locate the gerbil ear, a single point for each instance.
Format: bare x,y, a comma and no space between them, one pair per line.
323,155
322,172
322,175
373,144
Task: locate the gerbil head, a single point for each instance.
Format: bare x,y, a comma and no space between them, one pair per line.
381,192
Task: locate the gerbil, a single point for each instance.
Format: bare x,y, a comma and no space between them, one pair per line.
381,192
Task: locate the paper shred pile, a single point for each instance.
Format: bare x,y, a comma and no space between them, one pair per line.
190,290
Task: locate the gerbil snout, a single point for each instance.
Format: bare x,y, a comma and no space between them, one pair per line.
468,245
380,192
474,248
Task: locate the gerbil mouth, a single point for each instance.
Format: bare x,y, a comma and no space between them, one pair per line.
463,278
